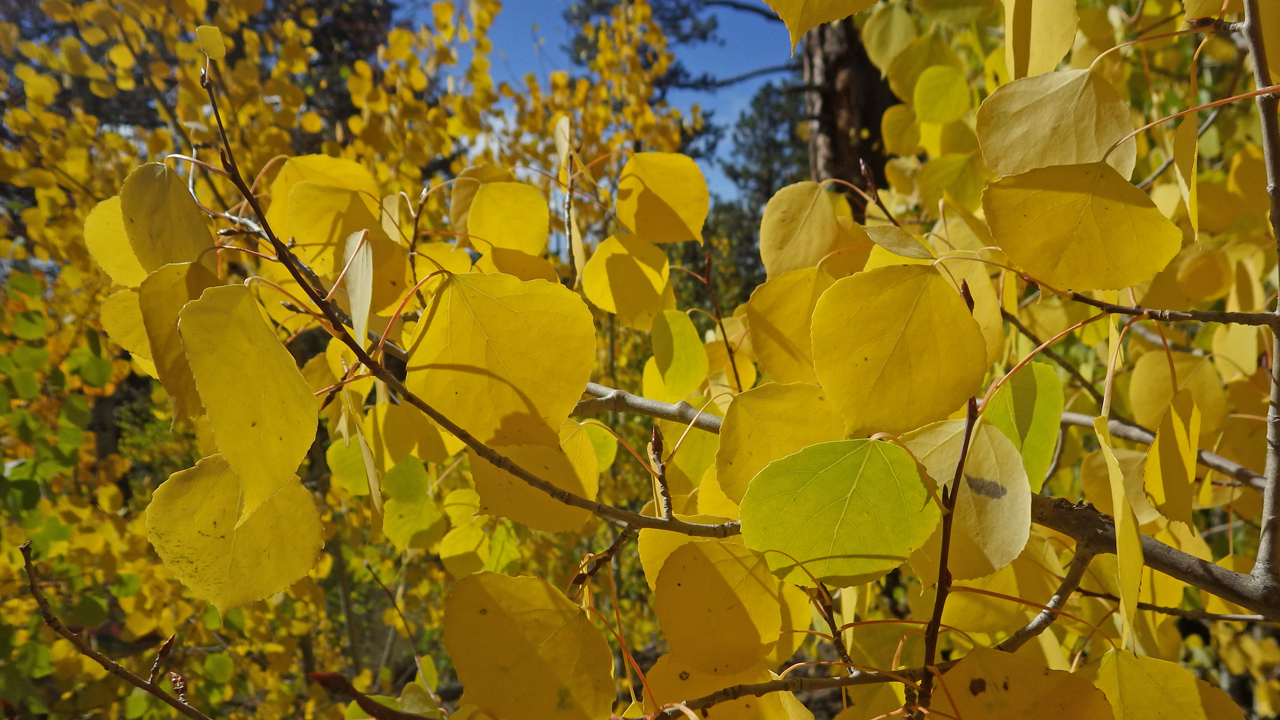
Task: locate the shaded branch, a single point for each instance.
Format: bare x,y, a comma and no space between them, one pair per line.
744,7
1045,618
84,648
1217,316
707,82
1179,612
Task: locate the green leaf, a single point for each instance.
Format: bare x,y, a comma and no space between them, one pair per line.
1028,410
411,517
849,511
679,363
29,325
219,668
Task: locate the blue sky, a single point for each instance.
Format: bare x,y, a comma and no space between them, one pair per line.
528,36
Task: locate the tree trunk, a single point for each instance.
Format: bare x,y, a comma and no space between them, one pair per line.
845,98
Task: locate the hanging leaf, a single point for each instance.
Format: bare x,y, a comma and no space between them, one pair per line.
1028,410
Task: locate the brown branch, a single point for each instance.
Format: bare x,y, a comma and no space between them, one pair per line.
605,557
1179,612
340,685
395,385
1045,618
1267,565
949,497
84,648
1170,316
660,471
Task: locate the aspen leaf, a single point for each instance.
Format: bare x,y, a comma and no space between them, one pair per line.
211,42
509,215
717,605
1151,390
1235,351
655,546
779,317
357,258
797,616
121,317
899,242
1028,410
525,651
502,493
1170,469
895,348
674,681
801,16
886,33
105,236
989,684
463,193
437,256
920,54
662,197
900,131
346,467
504,359
517,264
1129,556
1037,34
679,362
957,12
1145,688
768,423
1204,274
1211,8
993,505
411,517
1033,576
322,170
196,524
941,94
1080,227
850,511
1061,118
465,548
162,220
800,228
261,408
160,298
1186,154
626,276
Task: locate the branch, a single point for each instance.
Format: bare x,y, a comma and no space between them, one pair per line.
605,557
706,82
340,685
1215,316
1179,612
607,399
1045,618
1061,361
1134,433
1265,567
83,647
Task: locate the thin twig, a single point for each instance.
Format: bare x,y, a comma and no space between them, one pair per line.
84,648
1172,316
660,473
715,305
1179,612
605,557
1045,618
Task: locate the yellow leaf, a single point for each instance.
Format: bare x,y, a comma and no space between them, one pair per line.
211,42
505,359
509,215
192,523
121,317
778,318
941,94
357,258
769,423
920,54
717,604
262,411
1080,227
800,228
162,220
626,276
899,242
1144,688
896,348
1061,118
679,362
1037,34
1171,460
464,191
1186,154
504,494
1151,390
412,518
886,33
160,298
1235,351
662,197
105,236
797,616
900,130
993,508
1204,274
435,256
655,546
517,264
524,651
321,169
1128,541
801,16
989,684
